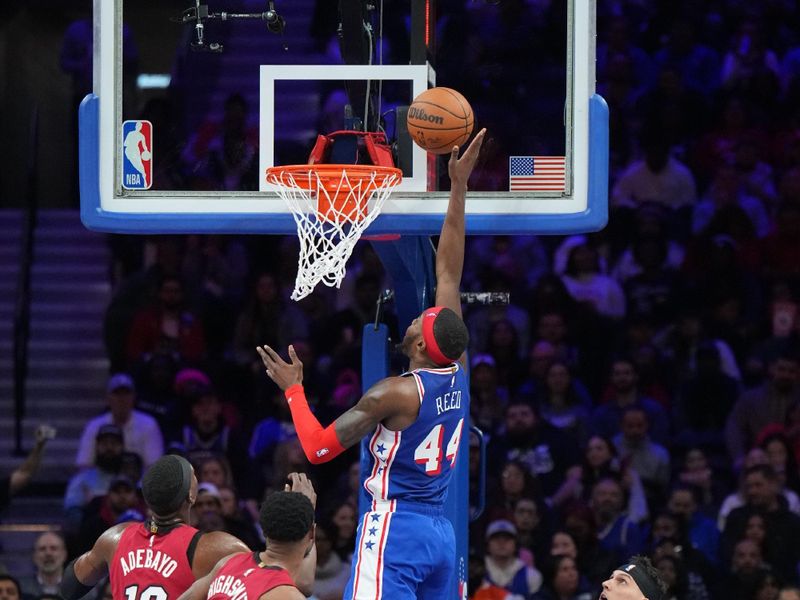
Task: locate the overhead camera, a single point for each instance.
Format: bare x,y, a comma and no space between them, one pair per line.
199,14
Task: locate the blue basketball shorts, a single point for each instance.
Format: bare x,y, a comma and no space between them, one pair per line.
403,552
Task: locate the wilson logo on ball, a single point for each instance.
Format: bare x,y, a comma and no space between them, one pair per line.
419,113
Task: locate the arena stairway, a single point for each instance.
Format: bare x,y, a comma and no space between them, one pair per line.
67,369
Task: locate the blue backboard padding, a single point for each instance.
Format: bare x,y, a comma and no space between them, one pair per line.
94,217
410,262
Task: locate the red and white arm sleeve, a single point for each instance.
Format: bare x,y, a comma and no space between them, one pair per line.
320,445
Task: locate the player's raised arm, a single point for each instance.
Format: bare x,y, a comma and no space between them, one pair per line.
450,253
322,444
86,571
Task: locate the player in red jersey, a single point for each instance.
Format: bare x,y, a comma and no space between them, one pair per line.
287,519
161,558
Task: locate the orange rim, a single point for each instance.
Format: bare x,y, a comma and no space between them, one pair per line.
331,175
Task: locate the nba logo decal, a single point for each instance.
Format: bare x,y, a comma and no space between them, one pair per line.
137,151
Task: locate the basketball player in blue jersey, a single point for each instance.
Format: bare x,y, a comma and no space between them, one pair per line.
411,427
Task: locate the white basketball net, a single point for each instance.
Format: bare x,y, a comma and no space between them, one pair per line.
327,240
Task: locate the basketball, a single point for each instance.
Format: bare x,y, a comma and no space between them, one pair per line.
146,155
439,119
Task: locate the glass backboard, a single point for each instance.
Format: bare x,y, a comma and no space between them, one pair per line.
193,101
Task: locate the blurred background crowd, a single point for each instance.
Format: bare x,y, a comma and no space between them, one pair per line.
640,393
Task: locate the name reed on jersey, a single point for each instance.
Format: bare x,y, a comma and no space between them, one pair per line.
449,401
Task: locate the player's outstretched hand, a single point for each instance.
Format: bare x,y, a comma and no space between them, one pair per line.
461,168
301,483
282,373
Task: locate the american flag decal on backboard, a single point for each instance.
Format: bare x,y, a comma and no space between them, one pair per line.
536,174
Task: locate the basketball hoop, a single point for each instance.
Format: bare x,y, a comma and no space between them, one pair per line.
332,205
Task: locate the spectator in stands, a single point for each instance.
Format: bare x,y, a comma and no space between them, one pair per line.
651,222
658,177
551,327
681,341
704,401
619,39
698,63
513,484
746,569
675,575
598,293
600,460
701,578
49,558
756,530
617,533
762,406
520,260
533,529
488,398
504,346
768,587
563,544
540,356
167,325
343,518
141,432
562,581
789,593
237,517
774,442
756,174
653,293
503,565
121,503
340,335
266,316
94,481
536,444
701,531
781,255
270,433
563,404
9,588
332,572
726,189
651,460
131,466
225,157
215,469
624,379
762,495
208,435
214,270
748,56
208,516
21,476
594,561
737,498
156,393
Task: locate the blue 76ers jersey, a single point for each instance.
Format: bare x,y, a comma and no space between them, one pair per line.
416,464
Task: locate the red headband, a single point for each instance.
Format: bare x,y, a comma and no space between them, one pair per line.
431,347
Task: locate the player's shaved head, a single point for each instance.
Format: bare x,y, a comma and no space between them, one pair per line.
166,485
